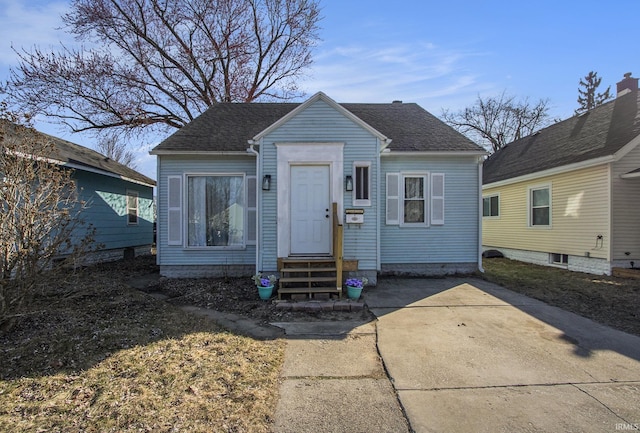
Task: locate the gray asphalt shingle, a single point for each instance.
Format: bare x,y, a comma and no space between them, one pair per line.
597,133
228,127
68,152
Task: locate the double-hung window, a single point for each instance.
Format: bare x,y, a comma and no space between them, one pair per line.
216,210
540,206
132,207
491,206
362,183
414,200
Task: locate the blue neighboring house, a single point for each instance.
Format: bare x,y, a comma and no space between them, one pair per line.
120,199
289,188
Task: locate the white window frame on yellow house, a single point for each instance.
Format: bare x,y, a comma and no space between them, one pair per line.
531,207
490,197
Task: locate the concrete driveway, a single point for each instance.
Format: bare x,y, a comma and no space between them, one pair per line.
469,356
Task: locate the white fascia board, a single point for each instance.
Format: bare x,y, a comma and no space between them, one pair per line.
627,148
399,153
105,173
87,168
553,171
201,152
321,96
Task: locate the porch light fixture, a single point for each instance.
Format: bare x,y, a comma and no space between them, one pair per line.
266,182
348,183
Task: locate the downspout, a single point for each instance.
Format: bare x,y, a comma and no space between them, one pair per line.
251,149
480,163
383,149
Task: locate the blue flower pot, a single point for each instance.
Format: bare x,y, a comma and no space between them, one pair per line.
354,292
265,292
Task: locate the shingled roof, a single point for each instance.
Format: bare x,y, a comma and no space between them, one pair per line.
600,132
229,126
76,156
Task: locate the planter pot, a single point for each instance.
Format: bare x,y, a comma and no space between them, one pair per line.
354,292
265,292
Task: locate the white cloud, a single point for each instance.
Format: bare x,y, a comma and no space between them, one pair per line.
25,24
413,72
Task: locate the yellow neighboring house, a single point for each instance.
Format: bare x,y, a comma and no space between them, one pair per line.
569,195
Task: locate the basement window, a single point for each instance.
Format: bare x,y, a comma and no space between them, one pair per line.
558,259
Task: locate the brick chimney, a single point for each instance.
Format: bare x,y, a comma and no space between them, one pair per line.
628,84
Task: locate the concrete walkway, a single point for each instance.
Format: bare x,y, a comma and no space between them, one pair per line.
458,355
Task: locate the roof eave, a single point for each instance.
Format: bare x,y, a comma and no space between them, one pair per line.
200,152
435,153
90,169
553,171
322,96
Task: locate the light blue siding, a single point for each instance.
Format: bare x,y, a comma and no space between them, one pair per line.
321,123
178,166
373,243
106,199
456,241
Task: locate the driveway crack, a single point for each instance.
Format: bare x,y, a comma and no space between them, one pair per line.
390,379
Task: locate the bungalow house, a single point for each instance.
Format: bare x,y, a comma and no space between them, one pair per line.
567,195
119,199
316,188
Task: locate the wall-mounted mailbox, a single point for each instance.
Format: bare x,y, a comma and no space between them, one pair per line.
354,216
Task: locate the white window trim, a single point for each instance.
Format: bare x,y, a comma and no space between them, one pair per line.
185,213
132,193
361,202
305,153
426,192
499,202
530,209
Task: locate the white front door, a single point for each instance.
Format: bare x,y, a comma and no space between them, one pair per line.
310,210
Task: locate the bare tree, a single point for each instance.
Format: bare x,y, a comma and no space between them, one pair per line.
117,150
163,62
587,96
39,218
495,121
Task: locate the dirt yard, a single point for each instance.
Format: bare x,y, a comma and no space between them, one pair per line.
609,300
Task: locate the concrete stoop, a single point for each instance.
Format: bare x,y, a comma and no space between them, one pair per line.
318,306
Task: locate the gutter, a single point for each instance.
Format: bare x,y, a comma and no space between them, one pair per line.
388,152
480,163
198,152
85,167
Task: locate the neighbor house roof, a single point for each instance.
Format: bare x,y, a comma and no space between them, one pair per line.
78,157
599,133
227,127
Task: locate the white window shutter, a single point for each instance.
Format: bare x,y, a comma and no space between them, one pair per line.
437,198
174,210
393,198
252,199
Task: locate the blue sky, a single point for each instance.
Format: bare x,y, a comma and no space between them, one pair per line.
439,54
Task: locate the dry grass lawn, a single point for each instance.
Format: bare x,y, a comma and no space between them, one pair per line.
95,355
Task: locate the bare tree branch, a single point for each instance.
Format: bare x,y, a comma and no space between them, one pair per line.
117,150
495,121
160,63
